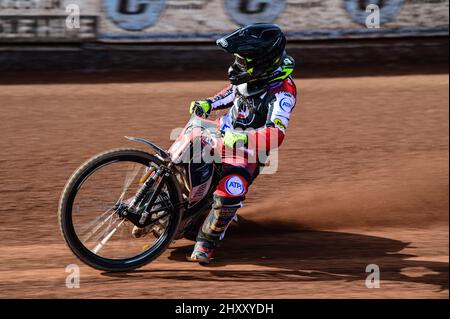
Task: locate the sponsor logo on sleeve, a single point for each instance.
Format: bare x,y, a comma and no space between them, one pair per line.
279,123
286,105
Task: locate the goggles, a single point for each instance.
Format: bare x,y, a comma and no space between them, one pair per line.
242,63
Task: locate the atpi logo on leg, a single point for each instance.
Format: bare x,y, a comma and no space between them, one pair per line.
235,186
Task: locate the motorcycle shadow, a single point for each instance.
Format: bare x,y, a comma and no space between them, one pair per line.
296,255
284,253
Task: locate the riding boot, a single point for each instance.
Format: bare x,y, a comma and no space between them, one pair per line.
221,215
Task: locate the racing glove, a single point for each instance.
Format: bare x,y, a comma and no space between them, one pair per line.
232,137
202,107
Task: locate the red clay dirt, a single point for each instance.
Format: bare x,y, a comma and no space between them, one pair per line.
362,179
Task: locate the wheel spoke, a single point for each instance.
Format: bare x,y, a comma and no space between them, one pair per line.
132,172
97,224
111,222
103,242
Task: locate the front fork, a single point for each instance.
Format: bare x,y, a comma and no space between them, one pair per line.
144,197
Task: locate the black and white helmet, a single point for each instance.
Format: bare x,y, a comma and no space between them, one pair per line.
258,50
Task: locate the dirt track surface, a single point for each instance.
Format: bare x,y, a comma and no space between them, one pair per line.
363,179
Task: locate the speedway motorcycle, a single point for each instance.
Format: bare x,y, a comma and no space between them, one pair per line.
166,192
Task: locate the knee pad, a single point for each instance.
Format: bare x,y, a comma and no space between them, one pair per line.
231,190
228,197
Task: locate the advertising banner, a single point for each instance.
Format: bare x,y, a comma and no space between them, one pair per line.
150,21
48,20
167,20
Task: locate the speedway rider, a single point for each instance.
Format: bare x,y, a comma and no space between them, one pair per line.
261,96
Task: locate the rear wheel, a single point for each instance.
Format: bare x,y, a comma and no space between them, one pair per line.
90,219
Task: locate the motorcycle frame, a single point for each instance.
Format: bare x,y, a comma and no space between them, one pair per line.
189,214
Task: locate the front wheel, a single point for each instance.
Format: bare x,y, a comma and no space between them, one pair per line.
91,223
